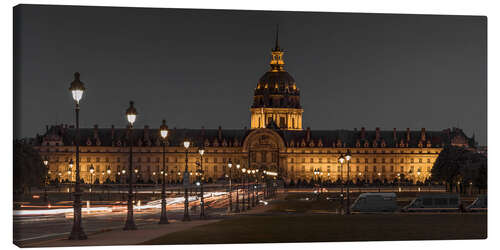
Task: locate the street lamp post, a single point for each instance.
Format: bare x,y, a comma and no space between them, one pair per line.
348,159
91,170
237,210
399,182
253,188
230,208
46,164
70,166
201,150
248,189
163,216
316,177
131,114
243,170
341,161
257,181
186,183
77,232
108,172
264,176
379,181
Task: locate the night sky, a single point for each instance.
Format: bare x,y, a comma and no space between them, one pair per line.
199,67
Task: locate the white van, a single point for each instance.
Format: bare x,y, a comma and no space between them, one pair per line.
375,202
434,202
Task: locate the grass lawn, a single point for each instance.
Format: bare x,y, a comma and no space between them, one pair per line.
273,228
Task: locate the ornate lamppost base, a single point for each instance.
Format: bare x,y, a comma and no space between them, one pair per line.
77,234
163,220
130,225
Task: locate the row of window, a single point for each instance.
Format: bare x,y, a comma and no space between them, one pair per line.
362,169
146,159
209,150
365,160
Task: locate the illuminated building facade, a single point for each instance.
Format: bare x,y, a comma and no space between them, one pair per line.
275,141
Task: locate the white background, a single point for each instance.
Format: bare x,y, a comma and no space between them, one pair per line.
456,7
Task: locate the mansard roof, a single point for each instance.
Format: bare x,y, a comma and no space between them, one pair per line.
235,137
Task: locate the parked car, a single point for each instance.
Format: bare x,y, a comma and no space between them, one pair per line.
375,202
434,202
480,204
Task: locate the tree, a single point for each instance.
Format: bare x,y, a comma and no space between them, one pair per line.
459,166
481,179
29,170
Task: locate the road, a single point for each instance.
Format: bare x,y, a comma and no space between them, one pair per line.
40,227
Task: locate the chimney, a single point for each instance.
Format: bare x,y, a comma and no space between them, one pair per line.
363,135
112,132
219,134
146,132
308,134
407,134
394,134
422,135
377,134
95,131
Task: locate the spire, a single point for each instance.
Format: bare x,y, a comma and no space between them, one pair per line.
277,62
277,46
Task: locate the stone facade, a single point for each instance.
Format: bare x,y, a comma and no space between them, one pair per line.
293,154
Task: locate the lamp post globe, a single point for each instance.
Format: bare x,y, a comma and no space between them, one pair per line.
131,114
77,89
163,215
164,130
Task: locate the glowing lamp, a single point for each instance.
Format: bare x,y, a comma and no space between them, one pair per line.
164,129
77,88
131,113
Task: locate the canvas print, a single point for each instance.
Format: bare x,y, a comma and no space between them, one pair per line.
157,126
